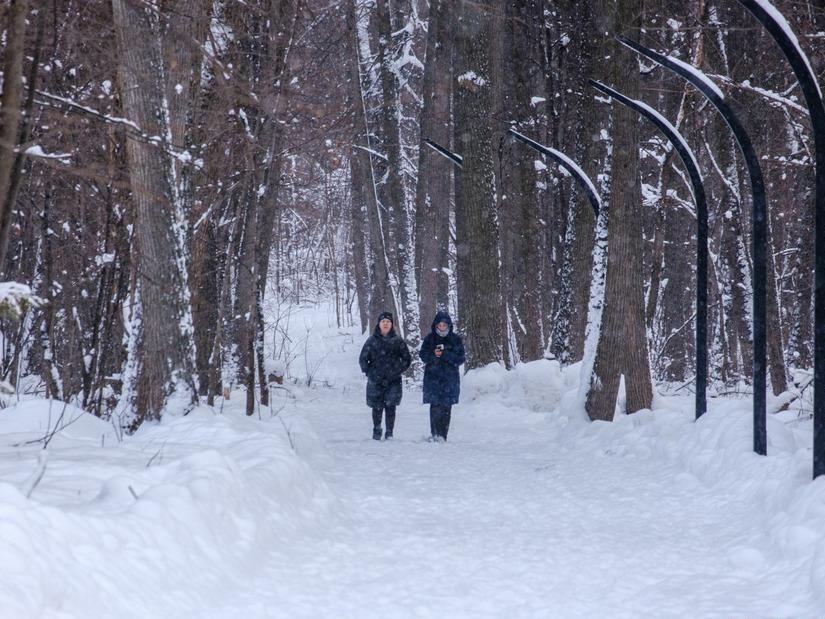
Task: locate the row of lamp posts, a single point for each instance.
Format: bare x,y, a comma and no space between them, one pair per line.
778,28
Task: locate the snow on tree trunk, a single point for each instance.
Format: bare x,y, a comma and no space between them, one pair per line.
433,189
571,319
161,345
397,207
14,31
382,293
622,345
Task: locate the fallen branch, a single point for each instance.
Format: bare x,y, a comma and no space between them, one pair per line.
37,475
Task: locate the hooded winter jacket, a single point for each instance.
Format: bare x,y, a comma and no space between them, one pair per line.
384,359
442,382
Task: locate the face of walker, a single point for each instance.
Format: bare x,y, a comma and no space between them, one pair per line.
385,325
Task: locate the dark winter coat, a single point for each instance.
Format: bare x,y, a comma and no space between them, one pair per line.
384,360
442,382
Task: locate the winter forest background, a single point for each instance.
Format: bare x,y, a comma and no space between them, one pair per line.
182,168
205,205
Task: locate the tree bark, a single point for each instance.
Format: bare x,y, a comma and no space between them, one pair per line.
527,298
776,356
433,188
163,361
358,180
570,322
10,114
622,345
364,183
476,201
397,207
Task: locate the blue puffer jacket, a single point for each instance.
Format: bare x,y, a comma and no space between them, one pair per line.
442,382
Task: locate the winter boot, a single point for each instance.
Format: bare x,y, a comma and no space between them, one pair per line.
390,419
376,434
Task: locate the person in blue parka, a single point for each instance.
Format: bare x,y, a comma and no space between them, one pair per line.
384,358
442,353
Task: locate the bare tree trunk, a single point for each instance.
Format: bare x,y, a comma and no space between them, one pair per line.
264,61
244,315
364,181
736,255
25,127
779,378
263,379
678,335
358,241
184,32
622,344
222,283
48,370
803,327
432,199
206,287
476,202
658,254
502,85
284,15
397,208
100,326
163,361
10,114
527,270
570,322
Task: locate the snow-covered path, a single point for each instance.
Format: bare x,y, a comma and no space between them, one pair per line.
529,511
517,517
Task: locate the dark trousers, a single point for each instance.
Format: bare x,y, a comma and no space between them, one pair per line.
440,420
390,415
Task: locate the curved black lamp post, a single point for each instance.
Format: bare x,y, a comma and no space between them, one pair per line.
568,164
689,160
778,28
760,226
559,157
456,159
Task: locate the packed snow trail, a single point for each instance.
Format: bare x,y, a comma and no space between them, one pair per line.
516,516
528,511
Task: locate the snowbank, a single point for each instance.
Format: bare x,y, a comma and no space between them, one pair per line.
32,420
713,455
167,521
536,386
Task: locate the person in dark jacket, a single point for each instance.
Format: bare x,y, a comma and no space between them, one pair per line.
442,353
384,358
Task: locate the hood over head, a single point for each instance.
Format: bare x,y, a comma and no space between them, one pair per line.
442,316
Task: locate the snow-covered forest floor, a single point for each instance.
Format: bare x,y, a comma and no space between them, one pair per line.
528,511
